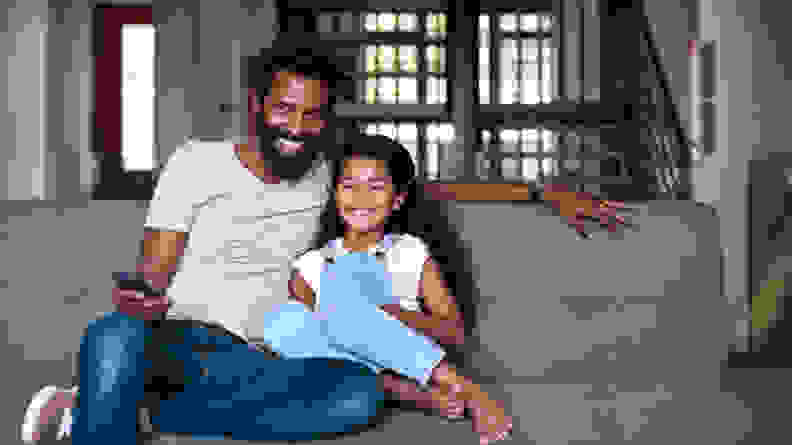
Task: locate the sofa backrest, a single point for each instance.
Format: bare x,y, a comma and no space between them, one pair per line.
639,300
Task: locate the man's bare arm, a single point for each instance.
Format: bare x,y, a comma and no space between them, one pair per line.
301,291
161,255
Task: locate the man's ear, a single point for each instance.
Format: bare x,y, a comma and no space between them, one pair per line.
399,201
254,102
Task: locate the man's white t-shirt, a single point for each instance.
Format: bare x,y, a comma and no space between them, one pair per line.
242,234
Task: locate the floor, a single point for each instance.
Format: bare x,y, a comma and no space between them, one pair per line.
765,391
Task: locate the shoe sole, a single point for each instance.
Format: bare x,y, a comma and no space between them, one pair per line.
31,424
32,420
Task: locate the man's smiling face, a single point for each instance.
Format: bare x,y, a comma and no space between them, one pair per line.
289,124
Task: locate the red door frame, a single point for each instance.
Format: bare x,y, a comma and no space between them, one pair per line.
114,183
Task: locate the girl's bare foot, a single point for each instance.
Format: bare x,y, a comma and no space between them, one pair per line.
481,425
442,400
490,420
447,401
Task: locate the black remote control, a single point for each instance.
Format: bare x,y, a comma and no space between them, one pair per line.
135,281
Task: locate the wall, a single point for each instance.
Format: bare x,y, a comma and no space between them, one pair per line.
745,60
749,37
23,37
48,48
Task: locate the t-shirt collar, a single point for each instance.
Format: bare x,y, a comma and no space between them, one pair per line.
336,248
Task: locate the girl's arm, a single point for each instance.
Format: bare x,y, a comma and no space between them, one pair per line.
301,291
443,322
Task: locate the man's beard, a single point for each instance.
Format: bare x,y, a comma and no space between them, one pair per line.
291,167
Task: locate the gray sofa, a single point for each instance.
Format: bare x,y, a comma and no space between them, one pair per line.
619,337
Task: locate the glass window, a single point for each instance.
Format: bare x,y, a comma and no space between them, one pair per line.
385,65
525,57
138,93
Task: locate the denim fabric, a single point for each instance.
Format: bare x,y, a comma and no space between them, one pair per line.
228,389
349,323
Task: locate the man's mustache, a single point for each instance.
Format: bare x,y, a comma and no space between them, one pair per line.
280,133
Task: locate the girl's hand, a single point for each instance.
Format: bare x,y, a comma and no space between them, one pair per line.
393,309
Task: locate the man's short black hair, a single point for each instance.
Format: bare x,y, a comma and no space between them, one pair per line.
307,56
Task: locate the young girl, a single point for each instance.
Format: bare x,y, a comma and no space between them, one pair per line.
365,278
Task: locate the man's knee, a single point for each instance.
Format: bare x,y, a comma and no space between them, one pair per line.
116,332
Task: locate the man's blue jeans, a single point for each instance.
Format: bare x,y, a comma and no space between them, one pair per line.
228,389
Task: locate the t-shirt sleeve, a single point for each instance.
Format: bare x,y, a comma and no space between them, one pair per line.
414,253
418,253
310,267
178,192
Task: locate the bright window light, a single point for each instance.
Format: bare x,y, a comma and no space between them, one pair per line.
137,92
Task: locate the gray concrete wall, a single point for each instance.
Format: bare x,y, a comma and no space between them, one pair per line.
47,123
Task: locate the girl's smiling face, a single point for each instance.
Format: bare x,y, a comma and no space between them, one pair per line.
365,194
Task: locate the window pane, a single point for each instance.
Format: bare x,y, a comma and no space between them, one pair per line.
370,23
508,71
509,140
386,58
408,132
510,169
435,59
529,91
408,136
388,129
371,90
432,161
439,137
530,140
408,90
408,22
387,90
436,90
508,23
436,25
137,91
484,90
370,55
484,22
521,63
549,139
484,62
408,59
386,22
548,74
550,167
547,22
529,23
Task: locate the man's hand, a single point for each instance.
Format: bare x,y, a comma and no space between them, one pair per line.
162,251
577,207
135,304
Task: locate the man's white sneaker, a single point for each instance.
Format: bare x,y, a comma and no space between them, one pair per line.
39,411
